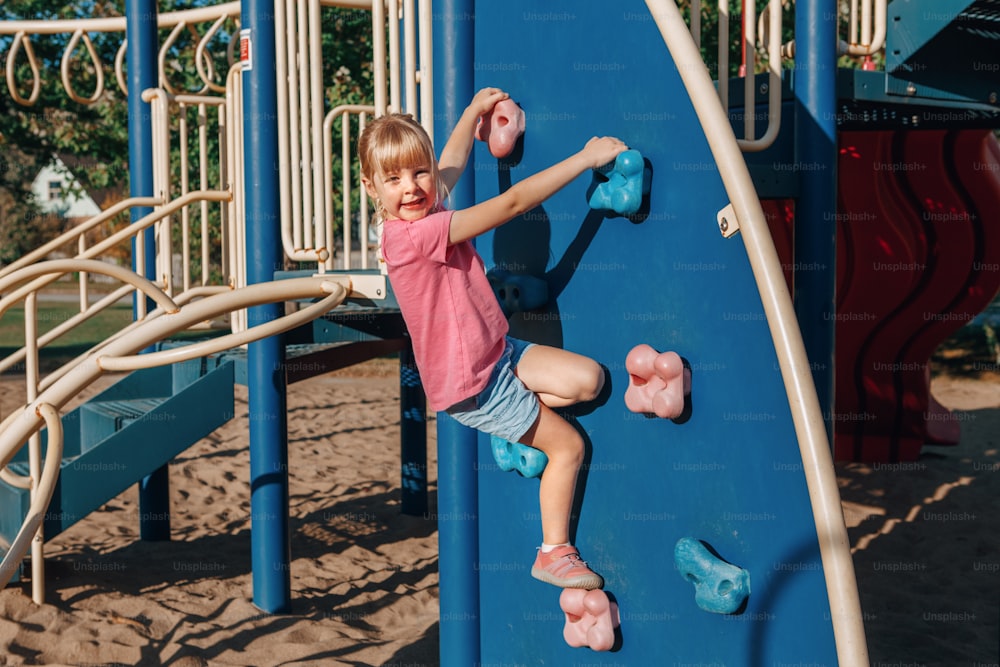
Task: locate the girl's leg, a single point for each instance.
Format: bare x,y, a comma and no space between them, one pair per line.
563,446
559,377
559,563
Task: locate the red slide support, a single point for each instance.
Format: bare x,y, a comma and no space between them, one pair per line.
918,257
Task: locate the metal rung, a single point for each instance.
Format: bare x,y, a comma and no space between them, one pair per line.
125,412
20,468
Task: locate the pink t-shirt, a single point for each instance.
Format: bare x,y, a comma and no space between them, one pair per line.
453,317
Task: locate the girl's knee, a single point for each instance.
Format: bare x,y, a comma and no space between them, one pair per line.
592,381
570,452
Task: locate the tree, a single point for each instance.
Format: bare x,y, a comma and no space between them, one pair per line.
31,135
56,125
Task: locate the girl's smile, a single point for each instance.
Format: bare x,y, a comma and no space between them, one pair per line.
407,193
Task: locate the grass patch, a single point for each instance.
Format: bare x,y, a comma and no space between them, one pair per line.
71,344
74,342
51,315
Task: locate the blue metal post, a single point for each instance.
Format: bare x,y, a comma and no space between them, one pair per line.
140,26
458,485
815,213
412,436
270,543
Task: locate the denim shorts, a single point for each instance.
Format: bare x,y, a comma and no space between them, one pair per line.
505,407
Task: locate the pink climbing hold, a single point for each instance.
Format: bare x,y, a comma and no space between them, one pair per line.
591,618
501,128
658,382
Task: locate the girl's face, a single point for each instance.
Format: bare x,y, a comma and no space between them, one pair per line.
406,193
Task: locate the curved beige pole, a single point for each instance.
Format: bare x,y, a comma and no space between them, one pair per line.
40,497
57,267
817,461
43,410
227,342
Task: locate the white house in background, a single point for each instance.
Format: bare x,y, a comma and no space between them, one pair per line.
57,191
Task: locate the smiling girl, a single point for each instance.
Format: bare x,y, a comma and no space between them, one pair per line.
469,366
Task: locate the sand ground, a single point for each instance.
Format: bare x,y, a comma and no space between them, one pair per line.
926,539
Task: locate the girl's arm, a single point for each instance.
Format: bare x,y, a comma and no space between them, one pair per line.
455,154
532,191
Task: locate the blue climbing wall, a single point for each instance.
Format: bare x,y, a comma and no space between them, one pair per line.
731,474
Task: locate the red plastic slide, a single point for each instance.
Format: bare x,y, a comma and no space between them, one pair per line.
918,257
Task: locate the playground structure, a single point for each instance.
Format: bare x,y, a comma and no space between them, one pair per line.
749,474
162,210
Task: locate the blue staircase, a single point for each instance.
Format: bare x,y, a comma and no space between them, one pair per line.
122,435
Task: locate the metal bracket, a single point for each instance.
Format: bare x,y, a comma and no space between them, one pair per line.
368,286
363,285
729,224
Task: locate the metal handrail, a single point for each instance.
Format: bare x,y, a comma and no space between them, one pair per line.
24,425
161,104
771,30
773,39
234,234
23,281
814,446
77,232
424,77
305,189
344,112
866,28
304,141
131,230
24,270
67,326
306,207
338,286
180,300
29,535
866,36
81,28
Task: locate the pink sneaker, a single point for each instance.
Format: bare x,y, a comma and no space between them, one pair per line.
564,568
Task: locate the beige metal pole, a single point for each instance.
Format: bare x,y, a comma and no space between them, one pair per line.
817,460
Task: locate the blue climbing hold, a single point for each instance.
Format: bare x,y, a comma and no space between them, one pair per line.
527,461
622,184
518,292
719,587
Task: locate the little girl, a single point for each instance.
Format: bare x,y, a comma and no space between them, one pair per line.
470,368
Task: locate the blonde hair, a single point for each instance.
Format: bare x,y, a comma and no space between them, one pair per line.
397,141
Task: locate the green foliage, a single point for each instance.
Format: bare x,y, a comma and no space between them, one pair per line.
56,125
52,314
347,64
31,135
710,32
710,35
347,56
